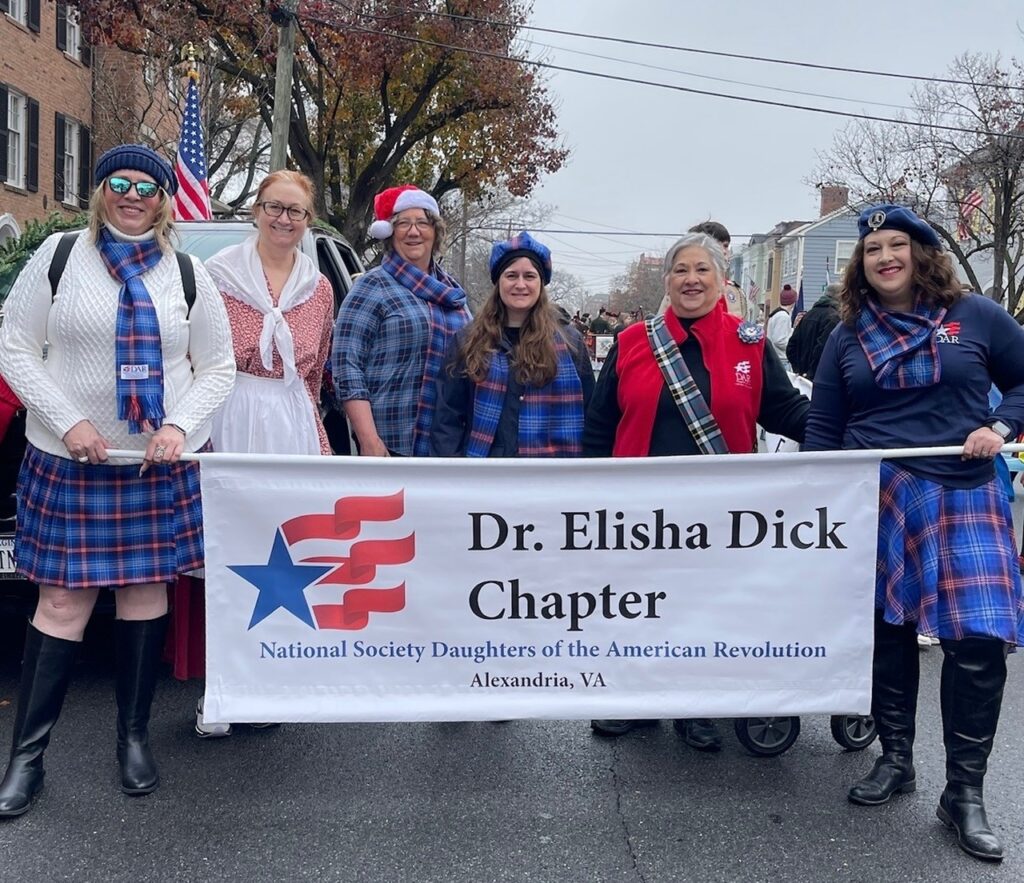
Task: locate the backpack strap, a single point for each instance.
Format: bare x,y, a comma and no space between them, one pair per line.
66,243
188,280
59,260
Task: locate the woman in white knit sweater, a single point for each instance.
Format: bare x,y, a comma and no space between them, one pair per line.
128,364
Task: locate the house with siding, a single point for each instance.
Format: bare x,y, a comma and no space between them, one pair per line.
817,253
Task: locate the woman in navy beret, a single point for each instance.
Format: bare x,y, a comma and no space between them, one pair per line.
130,364
517,379
911,365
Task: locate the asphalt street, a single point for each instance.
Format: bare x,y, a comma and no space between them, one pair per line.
517,801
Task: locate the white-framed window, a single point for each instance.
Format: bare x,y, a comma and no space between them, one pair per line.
73,44
72,161
844,250
789,258
18,10
17,138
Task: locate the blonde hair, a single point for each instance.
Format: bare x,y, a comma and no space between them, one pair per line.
288,176
163,226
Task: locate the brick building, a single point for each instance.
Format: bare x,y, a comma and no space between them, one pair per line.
61,104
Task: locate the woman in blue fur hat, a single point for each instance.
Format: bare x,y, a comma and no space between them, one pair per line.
517,380
911,365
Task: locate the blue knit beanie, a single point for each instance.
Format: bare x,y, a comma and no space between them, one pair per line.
139,158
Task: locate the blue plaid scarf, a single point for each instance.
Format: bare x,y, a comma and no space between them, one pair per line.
138,358
900,347
550,419
448,313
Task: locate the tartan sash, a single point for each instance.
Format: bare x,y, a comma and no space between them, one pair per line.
447,304
901,348
139,363
699,419
550,418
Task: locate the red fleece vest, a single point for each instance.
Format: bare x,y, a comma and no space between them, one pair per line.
735,368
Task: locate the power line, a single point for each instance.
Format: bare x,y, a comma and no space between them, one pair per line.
651,234
731,82
689,49
670,86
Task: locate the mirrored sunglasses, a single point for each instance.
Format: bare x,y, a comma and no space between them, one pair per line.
120,186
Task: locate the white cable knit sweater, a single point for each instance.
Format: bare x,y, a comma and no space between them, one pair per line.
77,378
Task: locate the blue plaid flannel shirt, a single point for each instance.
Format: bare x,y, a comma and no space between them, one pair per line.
379,354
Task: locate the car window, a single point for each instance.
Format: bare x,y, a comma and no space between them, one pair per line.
327,258
204,244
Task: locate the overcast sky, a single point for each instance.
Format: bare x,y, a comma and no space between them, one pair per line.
647,159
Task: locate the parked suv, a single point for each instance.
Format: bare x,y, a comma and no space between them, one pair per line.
337,260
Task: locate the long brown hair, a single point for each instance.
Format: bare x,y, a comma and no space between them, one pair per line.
535,362
933,280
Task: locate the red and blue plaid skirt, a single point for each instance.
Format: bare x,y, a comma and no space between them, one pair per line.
947,559
82,526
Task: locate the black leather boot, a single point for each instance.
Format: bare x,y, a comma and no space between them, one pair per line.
896,670
699,732
973,675
139,645
45,674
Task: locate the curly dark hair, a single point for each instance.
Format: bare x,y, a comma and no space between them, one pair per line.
536,359
933,280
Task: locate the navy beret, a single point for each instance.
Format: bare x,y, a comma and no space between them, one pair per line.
522,245
139,158
897,217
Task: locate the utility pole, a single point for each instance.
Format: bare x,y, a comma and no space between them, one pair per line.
283,15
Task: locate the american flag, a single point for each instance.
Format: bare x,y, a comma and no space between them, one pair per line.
972,202
192,201
755,291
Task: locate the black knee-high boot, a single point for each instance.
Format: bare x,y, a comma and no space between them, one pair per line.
895,674
45,674
139,645
973,675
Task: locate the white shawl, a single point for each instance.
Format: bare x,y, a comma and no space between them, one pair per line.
238,272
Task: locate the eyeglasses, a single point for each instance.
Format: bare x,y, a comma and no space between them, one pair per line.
120,186
405,224
275,210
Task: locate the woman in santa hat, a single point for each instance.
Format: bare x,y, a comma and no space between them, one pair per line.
394,328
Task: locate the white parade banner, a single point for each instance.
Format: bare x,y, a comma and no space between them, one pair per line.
358,589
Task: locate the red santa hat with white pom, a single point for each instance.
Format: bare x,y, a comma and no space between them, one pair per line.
390,202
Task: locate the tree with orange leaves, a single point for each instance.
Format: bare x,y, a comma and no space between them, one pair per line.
438,93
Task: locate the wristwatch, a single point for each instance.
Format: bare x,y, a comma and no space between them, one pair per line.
998,426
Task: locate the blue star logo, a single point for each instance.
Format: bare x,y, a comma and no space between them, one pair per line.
281,583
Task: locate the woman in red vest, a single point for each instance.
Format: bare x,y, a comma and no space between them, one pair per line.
694,380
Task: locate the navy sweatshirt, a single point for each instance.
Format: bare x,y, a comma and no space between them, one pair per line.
979,344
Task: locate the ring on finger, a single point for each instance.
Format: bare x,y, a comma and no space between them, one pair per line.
83,459
158,454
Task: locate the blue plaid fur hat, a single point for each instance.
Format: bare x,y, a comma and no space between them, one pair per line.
896,217
522,245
